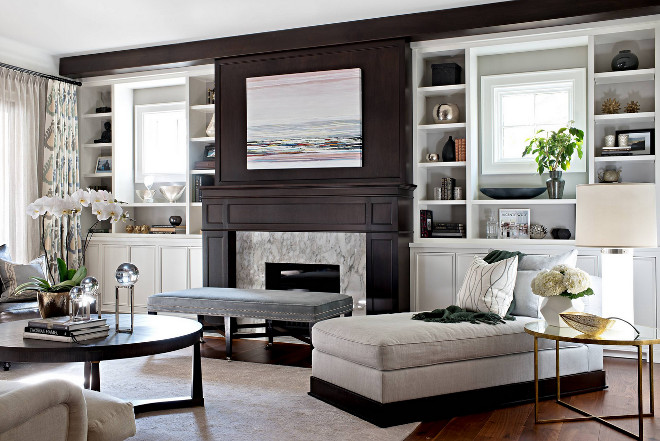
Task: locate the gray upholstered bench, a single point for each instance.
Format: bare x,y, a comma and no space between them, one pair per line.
271,305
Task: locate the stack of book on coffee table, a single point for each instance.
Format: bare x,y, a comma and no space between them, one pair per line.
66,330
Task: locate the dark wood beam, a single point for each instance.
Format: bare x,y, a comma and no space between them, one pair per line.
472,20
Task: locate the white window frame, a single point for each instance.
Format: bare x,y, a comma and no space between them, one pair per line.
493,87
140,109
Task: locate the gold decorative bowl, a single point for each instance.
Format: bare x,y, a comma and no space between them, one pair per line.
585,323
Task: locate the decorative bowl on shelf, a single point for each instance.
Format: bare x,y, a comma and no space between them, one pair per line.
172,192
512,193
585,323
146,195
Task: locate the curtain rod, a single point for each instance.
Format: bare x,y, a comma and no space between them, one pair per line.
39,74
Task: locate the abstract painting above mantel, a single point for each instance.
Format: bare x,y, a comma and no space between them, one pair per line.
305,120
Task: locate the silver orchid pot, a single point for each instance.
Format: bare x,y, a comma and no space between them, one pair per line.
555,185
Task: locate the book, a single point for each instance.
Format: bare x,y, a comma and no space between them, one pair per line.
65,339
62,333
205,165
65,323
199,182
426,223
616,154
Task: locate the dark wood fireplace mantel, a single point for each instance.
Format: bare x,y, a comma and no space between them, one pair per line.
383,212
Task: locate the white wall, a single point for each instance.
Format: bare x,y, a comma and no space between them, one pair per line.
29,57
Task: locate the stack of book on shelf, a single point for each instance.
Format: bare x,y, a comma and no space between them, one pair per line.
66,330
201,181
168,229
448,230
426,223
617,151
459,149
205,165
447,188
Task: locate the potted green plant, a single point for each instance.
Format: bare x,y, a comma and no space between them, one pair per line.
554,151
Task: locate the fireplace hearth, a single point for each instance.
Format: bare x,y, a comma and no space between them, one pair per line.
302,277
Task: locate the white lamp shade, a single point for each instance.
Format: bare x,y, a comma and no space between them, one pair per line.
616,216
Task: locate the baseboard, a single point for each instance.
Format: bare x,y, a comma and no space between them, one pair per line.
450,405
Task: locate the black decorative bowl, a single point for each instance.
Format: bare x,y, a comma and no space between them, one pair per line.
513,193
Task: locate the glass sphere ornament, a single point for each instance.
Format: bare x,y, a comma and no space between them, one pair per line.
89,285
127,274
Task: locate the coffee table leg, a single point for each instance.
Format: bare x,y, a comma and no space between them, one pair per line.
640,401
228,335
95,378
536,379
87,372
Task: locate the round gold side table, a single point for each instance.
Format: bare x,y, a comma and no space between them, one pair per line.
620,335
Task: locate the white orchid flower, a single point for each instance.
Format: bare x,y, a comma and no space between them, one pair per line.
99,210
106,195
58,208
81,198
113,211
33,210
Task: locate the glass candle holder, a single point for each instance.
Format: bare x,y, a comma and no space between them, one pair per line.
80,305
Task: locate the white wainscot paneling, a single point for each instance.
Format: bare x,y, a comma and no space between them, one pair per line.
173,268
434,281
644,289
144,257
113,256
195,267
588,264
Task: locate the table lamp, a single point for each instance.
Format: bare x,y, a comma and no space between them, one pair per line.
616,218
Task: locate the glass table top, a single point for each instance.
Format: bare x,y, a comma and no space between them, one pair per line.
620,334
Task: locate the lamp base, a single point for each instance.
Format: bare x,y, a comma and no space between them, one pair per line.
617,273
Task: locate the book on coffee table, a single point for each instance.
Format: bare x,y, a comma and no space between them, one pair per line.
66,339
65,323
62,333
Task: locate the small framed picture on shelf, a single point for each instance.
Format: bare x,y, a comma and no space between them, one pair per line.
104,164
514,223
640,141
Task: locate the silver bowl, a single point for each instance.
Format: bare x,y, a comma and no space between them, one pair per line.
172,192
146,195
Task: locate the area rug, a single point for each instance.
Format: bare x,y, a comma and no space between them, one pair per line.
244,401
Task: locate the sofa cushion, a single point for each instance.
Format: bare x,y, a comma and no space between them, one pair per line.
540,262
108,418
12,311
488,287
15,274
395,341
527,303
4,255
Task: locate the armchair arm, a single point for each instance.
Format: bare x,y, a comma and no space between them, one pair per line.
19,405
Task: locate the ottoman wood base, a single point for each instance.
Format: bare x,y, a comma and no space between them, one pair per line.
450,405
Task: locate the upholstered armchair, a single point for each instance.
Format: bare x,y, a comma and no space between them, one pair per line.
56,410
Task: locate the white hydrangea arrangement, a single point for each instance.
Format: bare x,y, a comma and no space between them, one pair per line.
564,281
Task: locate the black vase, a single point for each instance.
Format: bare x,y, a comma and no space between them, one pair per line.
448,153
625,60
175,221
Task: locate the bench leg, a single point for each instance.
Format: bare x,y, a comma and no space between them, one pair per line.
152,313
200,319
229,330
347,314
6,365
269,331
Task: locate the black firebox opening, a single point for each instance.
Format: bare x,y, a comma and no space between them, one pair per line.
302,277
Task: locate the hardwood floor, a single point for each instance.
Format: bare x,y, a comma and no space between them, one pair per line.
511,423
517,423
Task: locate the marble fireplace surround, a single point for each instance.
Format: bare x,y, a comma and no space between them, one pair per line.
348,250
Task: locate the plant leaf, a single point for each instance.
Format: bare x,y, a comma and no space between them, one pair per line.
62,269
79,275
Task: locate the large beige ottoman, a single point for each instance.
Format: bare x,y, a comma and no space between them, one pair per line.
390,369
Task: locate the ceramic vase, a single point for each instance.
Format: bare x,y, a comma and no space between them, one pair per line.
448,153
555,185
445,113
625,60
210,130
552,306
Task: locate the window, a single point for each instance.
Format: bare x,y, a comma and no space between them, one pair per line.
515,106
160,142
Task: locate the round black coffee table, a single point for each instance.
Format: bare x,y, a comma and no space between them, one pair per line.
152,334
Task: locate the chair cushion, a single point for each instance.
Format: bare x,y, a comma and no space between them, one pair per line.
108,418
395,341
256,303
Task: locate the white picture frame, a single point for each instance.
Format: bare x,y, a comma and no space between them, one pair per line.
514,223
104,164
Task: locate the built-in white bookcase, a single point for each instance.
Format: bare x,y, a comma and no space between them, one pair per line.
591,49
122,93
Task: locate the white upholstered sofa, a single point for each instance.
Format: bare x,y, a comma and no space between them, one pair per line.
390,369
56,410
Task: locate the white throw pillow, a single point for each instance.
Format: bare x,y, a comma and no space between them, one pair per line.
527,303
540,262
488,287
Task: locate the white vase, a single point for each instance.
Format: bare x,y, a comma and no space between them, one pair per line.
552,306
210,130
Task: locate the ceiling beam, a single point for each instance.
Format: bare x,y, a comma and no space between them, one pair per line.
471,20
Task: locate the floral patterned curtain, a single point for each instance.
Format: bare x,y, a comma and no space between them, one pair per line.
61,171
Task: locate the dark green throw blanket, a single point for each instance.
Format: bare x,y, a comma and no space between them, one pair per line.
455,314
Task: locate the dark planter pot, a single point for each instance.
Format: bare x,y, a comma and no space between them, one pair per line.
625,60
555,185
